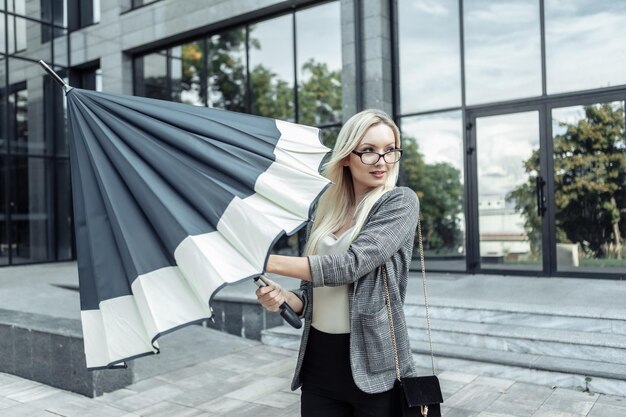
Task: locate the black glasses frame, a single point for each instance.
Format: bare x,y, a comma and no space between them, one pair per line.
380,155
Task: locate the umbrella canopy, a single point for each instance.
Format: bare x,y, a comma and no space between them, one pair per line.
172,202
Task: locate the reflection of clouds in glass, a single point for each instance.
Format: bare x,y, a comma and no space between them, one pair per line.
584,44
503,51
318,35
276,46
429,55
503,143
439,137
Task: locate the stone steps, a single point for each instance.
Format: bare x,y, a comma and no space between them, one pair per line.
536,347
545,318
573,344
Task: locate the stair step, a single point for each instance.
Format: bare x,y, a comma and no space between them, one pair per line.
614,324
521,339
608,378
557,372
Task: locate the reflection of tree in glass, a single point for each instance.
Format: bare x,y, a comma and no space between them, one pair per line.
272,97
439,188
590,184
192,65
319,94
227,70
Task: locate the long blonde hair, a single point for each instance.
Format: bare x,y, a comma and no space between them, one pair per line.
334,205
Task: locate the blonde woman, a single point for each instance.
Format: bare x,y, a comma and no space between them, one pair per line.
346,363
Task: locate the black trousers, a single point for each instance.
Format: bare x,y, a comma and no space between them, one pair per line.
328,389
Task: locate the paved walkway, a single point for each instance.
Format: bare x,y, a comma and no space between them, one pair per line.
254,381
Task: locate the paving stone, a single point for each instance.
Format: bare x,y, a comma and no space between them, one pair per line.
571,401
32,393
501,383
473,397
223,406
148,397
278,399
168,409
26,410
6,403
258,389
606,410
503,407
612,400
457,376
548,412
458,412
85,408
525,393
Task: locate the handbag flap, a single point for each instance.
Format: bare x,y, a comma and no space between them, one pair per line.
422,390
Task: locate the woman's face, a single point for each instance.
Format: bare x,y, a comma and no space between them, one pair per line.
378,138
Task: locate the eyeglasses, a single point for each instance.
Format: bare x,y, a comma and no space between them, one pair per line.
372,158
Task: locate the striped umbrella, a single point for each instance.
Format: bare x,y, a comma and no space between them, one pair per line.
171,203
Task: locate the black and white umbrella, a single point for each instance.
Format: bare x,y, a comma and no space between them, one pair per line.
171,203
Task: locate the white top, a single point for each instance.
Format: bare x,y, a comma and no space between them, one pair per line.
330,304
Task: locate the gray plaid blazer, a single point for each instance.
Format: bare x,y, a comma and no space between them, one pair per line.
387,237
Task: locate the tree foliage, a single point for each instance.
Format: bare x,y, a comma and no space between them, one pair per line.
441,197
590,183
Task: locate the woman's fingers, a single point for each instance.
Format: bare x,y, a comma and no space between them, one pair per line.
271,296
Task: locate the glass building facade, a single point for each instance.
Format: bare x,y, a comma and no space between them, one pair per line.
35,197
515,110
512,112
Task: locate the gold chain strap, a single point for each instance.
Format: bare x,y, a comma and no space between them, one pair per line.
390,315
421,247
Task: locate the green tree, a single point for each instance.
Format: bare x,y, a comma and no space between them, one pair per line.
319,94
590,183
227,69
440,191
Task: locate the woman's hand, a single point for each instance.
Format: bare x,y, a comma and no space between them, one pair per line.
271,296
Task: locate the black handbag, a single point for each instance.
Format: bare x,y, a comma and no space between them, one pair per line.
415,396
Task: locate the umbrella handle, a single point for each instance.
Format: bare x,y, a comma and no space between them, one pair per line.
286,311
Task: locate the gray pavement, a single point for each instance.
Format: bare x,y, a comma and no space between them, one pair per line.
237,377
253,380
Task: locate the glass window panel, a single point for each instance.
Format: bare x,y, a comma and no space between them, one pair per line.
63,218
4,237
319,64
502,50
226,73
18,105
186,67
17,33
429,54
31,210
507,153
590,187
29,128
17,6
3,123
3,39
432,165
271,68
151,76
584,44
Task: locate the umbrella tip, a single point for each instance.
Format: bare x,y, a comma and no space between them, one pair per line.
55,76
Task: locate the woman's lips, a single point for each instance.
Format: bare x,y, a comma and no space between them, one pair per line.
378,174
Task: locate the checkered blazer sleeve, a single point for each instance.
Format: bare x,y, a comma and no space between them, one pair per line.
392,219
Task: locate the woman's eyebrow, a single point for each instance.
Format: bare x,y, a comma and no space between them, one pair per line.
369,144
